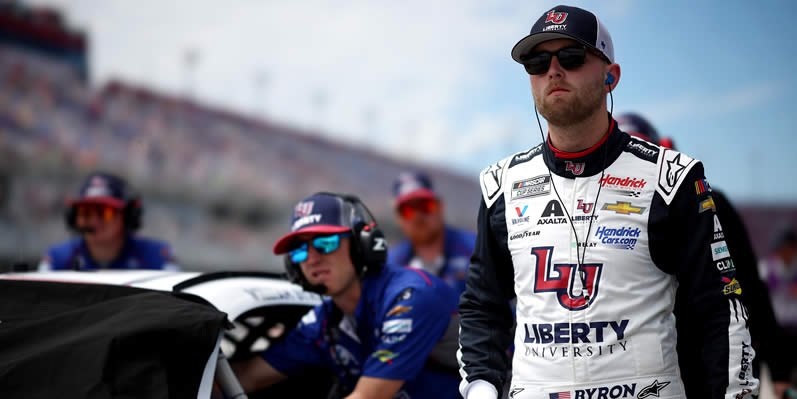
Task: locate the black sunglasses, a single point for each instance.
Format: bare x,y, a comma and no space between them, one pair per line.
538,62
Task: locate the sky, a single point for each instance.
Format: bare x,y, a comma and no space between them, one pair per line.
433,81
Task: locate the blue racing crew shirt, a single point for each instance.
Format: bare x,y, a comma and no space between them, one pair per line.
404,317
137,253
452,268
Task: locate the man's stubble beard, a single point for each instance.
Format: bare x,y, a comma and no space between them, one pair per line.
572,112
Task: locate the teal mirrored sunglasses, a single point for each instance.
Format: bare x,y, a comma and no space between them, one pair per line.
323,244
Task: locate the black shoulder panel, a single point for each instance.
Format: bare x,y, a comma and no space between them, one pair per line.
524,157
643,150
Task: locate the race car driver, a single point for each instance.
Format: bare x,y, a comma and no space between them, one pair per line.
596,233
106,215
385,331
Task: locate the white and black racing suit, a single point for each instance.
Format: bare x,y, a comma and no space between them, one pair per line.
605,329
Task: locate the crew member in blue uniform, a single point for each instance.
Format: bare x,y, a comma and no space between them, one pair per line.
384,331
430,244
106,215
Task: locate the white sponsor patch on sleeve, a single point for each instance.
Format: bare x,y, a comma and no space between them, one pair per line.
397,326
719,250
309,317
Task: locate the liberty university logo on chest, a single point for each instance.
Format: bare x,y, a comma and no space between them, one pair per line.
560,279
575,168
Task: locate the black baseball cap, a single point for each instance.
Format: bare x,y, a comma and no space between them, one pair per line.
566,22
319,213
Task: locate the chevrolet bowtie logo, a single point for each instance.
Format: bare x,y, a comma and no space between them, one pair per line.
623,208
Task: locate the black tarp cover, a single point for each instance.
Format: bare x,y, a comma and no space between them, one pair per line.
66,340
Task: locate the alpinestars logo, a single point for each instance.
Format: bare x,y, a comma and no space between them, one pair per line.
555,17
674,170
491,180
653,389
560,279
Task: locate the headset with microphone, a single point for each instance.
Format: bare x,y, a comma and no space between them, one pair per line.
368,247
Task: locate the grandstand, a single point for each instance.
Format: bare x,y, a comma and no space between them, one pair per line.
217,185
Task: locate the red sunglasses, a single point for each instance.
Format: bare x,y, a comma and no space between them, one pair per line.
407,210
105,212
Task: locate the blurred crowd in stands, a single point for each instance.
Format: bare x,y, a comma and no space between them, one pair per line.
209,177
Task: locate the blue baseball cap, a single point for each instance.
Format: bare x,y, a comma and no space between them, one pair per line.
412,185
319,213
102,188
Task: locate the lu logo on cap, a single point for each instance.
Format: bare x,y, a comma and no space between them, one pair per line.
303,209
556,17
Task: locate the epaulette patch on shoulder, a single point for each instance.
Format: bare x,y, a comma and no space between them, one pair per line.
643,150
491,180
524,157
673,166
308,318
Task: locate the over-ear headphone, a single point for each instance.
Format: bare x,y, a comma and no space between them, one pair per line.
368,247
609,79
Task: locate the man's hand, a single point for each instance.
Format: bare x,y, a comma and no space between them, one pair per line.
375,388
255,374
